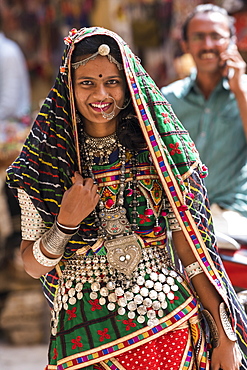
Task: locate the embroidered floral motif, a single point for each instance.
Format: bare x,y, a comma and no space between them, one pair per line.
103,334
95,304
54,357
144,219
174,299
129,324
71,313
175,149
193,147
76,342
166,117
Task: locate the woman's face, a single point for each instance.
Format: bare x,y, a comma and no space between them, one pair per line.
96,86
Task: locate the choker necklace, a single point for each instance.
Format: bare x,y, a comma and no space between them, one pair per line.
100,147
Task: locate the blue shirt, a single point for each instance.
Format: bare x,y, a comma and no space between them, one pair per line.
216,128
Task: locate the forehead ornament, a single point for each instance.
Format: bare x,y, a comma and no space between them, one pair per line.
103,50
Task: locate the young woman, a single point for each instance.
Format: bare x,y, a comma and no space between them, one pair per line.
116,222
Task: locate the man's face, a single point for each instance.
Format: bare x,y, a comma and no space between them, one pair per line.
208,35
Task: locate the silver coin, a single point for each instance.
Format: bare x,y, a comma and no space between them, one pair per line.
102,301
63,290
154,276
104,291
151,314
132,306
158,286
110,285
79,295
179,279
72,300
156,305
170,280
65,306
121,311
119,291
141,310
149,284
165,270
153,322
68,284
60,305
170,296
95,287
111,306
128,295
166,288
140,280
161,296
147,302
84,279
131,315
65,298
55,306
122,302
162,278
164,305
173,273
153,294
160,313
144,291
138,299
71,292
174,288
135,289
112,297
141,319
93,295
78,287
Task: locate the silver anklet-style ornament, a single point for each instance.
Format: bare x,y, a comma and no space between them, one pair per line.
41,258
226,323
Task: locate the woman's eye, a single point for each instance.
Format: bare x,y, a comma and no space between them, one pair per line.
86,83
113,82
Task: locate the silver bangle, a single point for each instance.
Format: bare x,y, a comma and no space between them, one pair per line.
225,321
193,269
74,229
41,258
54,240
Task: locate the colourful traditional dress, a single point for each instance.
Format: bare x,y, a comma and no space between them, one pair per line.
99,320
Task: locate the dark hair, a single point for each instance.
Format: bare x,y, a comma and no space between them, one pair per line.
128,128
208,8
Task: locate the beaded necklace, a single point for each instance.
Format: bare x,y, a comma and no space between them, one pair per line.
123,249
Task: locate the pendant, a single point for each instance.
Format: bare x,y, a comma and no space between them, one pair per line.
114,221
124,253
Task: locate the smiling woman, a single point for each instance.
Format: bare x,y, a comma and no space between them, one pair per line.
107,175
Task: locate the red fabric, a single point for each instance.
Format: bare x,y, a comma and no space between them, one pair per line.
162,353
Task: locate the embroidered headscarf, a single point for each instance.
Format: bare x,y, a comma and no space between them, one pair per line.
50,156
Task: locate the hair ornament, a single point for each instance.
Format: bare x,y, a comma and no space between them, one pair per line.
103,50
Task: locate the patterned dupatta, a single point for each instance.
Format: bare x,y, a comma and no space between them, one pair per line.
50,156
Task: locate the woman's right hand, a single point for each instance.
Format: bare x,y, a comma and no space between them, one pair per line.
78,201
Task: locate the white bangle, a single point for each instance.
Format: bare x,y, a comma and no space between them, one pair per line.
66,227
41,258
193,269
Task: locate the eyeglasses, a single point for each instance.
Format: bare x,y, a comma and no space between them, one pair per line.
215,37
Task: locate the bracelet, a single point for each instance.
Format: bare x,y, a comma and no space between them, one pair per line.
54,240
41,258
214,333
66,229
193,269
172,220
225,321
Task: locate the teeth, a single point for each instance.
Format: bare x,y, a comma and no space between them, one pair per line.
100,105
208,56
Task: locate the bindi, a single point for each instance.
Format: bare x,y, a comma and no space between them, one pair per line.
100,75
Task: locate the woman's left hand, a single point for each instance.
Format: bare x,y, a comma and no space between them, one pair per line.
226,356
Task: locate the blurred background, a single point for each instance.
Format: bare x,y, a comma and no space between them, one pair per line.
152,29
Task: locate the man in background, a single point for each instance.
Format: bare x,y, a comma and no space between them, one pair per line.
212,104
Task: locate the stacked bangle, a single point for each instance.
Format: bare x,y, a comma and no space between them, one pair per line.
55,240
193,269
41,258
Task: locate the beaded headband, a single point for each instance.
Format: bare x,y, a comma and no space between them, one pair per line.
103,50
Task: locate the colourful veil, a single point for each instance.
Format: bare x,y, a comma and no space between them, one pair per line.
50,156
